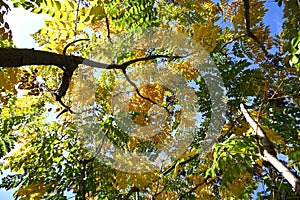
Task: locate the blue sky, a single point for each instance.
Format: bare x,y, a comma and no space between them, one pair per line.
24,23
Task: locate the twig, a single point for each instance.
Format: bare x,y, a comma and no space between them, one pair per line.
62,112
136,88
232,40
68,45
257,120
140,95
124,65
108,29
284,96
158,193
102,142
233,123
182,163
151,57
76,18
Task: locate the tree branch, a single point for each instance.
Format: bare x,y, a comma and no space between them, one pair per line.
68,45
232,40
248,29
136,88
182,163
108,29
269,154
132,190
11,57
139,93
124,65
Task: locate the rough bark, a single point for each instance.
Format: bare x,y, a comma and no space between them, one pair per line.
11,57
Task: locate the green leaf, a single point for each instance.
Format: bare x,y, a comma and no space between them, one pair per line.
295,59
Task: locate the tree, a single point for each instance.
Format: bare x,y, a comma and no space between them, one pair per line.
103,106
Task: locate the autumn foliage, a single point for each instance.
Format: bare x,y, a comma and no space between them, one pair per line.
43,136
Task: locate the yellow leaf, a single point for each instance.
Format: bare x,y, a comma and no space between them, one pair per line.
187,70
70,5
132,143
176,170
204,191
259,162
142,106
187,154
236,187
33,191
57,15
98,12
255,113
207,35
26,102
238,128
5,112
273,136
81,26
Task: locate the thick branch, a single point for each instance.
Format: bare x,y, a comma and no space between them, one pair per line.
248,29
269,155
267,144
10,57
